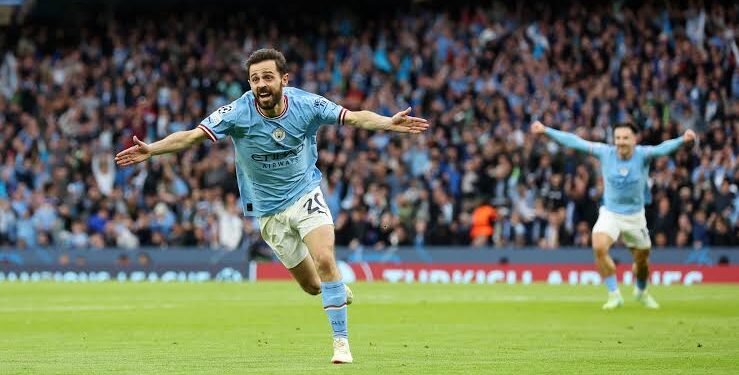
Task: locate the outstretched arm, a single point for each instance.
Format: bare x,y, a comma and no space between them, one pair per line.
567,139
668,147
174,142
400,122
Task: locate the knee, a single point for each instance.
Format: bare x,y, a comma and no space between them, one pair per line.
324,257
600,250
600,255
641,259
312,289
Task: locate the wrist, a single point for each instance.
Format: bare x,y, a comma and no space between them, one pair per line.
387,123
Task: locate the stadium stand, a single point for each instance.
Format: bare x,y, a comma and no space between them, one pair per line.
74,92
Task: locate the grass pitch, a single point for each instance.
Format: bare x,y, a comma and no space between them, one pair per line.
274,328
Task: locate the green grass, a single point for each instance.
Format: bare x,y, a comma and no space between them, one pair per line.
264,328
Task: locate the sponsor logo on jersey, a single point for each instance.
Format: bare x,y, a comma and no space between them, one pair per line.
278,155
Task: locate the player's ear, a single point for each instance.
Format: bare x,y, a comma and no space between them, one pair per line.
285,78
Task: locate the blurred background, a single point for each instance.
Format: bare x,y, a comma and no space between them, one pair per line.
78,79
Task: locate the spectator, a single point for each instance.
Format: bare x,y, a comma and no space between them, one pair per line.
483,221
78,238
719,233
480,75
229,223
103,170
664,221
700,229
582,235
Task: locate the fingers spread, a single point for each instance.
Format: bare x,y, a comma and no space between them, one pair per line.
127,151
417,119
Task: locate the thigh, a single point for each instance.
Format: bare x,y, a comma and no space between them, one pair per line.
320,242
284,241
635,233
607,225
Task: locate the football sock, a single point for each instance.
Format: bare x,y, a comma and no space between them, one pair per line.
611,283
333,295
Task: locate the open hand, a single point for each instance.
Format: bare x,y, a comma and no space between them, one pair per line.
403,123
137,153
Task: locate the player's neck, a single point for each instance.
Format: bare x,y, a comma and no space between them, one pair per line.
277,109
627,156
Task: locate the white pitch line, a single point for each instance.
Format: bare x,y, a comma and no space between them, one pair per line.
82,308
370,299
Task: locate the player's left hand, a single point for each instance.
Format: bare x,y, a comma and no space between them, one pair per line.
689,136
137,153
403,123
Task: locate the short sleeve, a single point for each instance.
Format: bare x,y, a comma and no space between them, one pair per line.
326,112
218,125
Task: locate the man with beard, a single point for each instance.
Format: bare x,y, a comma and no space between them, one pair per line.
273,128
625,169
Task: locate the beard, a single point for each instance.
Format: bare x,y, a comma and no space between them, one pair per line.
274,99
624,150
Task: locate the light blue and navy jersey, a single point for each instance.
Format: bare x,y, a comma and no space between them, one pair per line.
275,157
625,181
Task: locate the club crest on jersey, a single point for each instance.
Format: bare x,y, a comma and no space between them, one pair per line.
278,134
623,171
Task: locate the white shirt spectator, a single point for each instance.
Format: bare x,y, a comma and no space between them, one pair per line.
230,226
8,75
103,169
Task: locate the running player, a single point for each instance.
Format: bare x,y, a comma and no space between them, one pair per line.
273,128
625,170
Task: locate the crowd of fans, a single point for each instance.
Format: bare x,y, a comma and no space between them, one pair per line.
480,75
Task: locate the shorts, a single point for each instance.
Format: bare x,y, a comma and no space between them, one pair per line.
284,231
632,228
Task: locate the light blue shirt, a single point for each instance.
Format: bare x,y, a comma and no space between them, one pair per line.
275,157
625,181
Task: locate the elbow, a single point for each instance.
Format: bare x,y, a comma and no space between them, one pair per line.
192,137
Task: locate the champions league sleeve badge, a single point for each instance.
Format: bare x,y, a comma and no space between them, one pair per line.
216,117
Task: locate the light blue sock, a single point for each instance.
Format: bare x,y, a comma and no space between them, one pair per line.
611,283
641,284
333,295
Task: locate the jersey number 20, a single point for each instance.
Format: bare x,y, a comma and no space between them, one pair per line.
319,205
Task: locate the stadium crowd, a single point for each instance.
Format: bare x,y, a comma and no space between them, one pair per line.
69,102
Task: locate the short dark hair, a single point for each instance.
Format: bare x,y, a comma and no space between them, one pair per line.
634,128
266,54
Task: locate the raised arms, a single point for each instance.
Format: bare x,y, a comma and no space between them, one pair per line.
567,139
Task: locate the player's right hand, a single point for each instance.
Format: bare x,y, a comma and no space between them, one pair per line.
137,153
538,128
689,136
